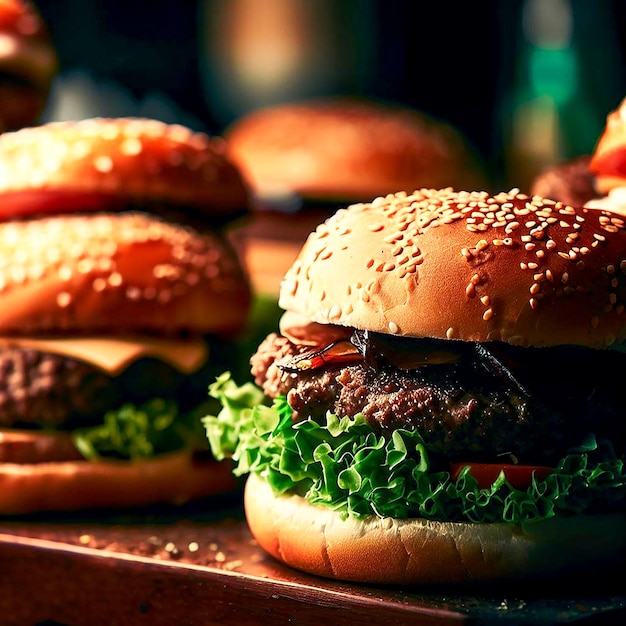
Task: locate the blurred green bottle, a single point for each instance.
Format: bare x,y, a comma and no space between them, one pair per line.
564,73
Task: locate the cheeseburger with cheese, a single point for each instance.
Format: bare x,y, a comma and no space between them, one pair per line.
439,403
119,295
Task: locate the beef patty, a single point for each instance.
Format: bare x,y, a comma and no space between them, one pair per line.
489,402
51,390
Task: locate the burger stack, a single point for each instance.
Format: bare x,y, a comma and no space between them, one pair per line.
120,297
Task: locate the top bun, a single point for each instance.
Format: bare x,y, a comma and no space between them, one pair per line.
27,55
608,162
469,266
125,159
121,272
340,149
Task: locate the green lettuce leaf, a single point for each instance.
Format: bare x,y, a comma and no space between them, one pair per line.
135,432
345,465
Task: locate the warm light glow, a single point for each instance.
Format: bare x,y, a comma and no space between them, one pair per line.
259,52
266,47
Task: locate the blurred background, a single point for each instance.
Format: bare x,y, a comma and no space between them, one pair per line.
529,82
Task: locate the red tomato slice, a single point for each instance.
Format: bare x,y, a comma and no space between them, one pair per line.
48,202
610,162
519,476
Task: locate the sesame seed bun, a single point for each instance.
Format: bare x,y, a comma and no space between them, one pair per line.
174,478
348,149
317,540
118,273
108,163
28,59
514,268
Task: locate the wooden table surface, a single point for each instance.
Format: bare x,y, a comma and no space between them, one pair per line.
199,565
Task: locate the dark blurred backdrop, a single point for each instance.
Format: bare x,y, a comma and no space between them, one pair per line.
523,79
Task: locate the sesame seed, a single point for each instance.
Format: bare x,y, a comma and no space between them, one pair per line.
103,164
488,314
64,299
335,312
393,328
99,284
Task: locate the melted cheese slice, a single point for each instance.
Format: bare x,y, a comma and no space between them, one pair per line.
113,355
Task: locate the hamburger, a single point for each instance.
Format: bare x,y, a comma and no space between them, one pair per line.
596,180
114,309
608,163
570,182
28,64
306,159
439,403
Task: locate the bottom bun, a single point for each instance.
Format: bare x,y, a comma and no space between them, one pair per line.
387,551
174,478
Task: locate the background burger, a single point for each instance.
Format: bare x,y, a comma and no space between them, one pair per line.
596,180
440,404
114,309
28,64
306,159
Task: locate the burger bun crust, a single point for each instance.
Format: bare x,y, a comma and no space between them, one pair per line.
315,539
118,273
174,478
469,266
347,149
121,160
